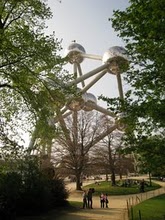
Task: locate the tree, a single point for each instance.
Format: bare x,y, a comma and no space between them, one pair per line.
27,190
79,134
105,157
141,26
30,91
152,155
30,69
109,156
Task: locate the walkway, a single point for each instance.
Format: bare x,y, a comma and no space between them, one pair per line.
117,206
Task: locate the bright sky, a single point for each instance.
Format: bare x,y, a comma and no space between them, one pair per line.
86,21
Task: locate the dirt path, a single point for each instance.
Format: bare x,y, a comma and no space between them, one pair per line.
117,206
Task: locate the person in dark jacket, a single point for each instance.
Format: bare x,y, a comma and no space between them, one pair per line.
90,201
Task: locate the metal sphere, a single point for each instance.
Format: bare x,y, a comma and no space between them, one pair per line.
121,126
117,59
81,102
73,52
89,98
76,104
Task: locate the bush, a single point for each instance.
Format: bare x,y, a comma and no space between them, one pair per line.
58,194
29,191
10,184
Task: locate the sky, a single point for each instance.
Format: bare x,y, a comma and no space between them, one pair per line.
87,22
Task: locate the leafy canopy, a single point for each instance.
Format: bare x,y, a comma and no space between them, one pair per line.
142,27
29,63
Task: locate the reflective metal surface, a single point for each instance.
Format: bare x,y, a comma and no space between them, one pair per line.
117,58
78,103
74,52
88,98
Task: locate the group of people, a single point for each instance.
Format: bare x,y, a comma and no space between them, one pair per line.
104,200
88,202
87,198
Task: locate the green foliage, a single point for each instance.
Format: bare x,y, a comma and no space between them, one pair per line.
150,153
29,191
142,28
74,204
152,150
10,185
30,69
150,209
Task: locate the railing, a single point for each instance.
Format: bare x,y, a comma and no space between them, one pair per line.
128,213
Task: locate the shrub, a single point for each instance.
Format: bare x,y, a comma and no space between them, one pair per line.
29,191
10,185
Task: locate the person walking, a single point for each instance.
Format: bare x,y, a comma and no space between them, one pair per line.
102,201
90,201
85,199
142,183
106,200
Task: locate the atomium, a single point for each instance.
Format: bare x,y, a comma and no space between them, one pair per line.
120,117
73,52
117,58
82,102
114,61
89,98
76,104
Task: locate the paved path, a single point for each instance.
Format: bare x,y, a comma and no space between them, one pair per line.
117,205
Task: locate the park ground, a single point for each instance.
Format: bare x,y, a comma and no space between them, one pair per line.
117,205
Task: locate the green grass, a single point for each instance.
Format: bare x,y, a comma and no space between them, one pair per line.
105,187
151,209
75,204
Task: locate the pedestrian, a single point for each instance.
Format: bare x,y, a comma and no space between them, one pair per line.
106,200
85,199
102,201
90,201
142,183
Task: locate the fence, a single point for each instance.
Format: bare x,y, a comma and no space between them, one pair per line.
136,199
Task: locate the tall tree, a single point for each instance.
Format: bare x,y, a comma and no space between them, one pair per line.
30,69
142,27
109,156
152,154
105,157
79,134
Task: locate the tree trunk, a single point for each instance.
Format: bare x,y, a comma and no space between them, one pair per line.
111,164
150,178
106,176
78,182
113,179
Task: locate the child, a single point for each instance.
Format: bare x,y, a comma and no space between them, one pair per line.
106,200
85,199
102,201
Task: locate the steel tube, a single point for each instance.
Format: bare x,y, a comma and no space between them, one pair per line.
87,75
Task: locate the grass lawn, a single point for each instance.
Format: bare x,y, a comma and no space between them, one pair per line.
106,187
151,209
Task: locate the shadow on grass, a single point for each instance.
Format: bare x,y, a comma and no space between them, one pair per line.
58,213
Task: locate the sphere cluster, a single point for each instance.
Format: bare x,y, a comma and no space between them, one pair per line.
115,56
